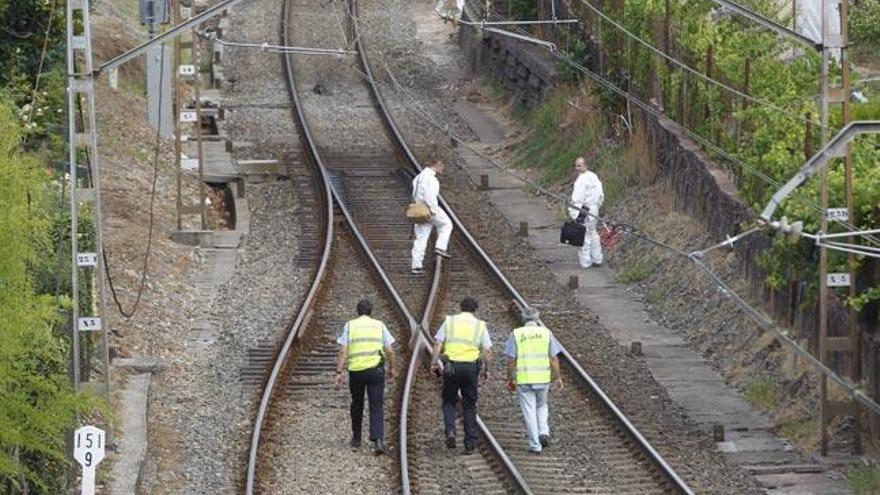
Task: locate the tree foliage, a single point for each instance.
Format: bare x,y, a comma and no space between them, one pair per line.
37,403
764,143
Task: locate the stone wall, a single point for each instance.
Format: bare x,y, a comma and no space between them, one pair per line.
525,70
706,192
700,187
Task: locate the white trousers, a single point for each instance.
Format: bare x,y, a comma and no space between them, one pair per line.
423,232
533,402
591,251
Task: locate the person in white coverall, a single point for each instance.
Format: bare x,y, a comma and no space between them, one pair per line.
426,188
588,193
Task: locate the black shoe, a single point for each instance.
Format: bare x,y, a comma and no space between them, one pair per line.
468,449
378,447
534,452
442,252
355,443
417,271
450,442
545,440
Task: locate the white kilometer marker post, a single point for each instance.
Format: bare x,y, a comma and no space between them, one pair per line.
837,280
88,450
86,259
841,214
188,116
89,324
187,70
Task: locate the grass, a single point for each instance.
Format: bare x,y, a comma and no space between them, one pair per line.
560,133
636,270
655,295
864,480
801,432
762,392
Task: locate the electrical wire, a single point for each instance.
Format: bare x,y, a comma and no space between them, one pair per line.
152,218
697,73
43,53
752,313
705,142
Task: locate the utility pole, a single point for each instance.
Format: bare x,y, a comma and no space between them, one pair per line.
83,141
851,344
176,115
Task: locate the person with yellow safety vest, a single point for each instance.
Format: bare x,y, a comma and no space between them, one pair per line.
461,341
532,363
365,350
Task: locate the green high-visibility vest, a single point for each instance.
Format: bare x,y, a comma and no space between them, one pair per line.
532,355
364,343
464,333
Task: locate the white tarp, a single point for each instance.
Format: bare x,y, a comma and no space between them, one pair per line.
808,19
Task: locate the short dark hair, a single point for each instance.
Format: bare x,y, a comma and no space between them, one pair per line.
469,304
365,307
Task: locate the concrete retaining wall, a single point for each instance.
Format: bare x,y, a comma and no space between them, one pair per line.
522,68
700,188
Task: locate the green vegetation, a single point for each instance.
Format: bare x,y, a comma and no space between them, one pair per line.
762,392
38,405
636,270
864,480
770,137
801,432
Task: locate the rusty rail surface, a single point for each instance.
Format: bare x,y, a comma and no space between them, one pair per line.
632,432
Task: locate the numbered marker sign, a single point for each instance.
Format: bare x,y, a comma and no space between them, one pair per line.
188,116
86,259
837,280
88,450
89,324
841,214
187,70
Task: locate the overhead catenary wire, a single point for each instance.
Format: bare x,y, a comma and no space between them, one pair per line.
752,313
705,142
697,73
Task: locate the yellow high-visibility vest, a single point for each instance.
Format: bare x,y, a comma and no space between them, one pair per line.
532,355
364,343
464,333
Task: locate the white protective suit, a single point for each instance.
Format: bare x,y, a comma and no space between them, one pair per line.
449,9
426,188
588,191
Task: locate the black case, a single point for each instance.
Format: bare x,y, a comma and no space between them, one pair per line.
573,233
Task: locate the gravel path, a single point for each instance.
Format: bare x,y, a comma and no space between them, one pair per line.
624,377
202,413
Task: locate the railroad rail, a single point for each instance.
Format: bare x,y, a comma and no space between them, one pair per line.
670,479
333,172
332,176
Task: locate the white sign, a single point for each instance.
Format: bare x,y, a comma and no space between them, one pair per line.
837,280
187,70
188,116
89,324
841,214
86,259
88,450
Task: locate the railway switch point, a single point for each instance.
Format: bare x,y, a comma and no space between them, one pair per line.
523,229
484,182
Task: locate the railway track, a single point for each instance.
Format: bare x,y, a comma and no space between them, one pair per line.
301,377
637,466
368,189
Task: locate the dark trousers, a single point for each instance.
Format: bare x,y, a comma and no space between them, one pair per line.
465,381
373,382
